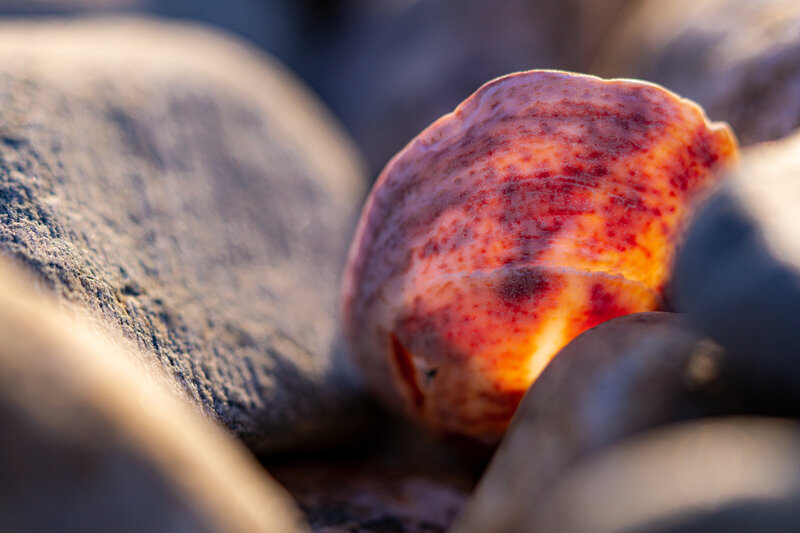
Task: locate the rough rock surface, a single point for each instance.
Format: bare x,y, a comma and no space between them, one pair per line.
190,194
627,375
736,475
739,59
93,440
738,274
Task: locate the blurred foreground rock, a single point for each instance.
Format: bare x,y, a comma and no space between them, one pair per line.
738,274
190,194
393,67
739,59
91,438
622,377
719,475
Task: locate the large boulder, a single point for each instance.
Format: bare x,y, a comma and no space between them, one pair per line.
92,439
189,193
739,59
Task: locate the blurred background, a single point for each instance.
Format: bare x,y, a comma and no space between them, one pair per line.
387,68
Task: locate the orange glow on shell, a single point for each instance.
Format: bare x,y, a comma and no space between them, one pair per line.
545,204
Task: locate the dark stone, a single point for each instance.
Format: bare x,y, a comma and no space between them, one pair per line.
194,197
720,475
739,59
92,439
737,276
625,376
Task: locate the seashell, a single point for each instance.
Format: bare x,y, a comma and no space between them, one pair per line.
545,204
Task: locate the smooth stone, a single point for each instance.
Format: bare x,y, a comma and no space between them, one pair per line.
93,439
733,475
739,59
737,276
622,377
191,194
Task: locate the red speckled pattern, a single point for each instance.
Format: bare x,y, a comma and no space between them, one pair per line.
545,204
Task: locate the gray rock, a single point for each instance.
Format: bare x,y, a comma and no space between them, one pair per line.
622,377
738,273
189,193
719,475
739,59
93,440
